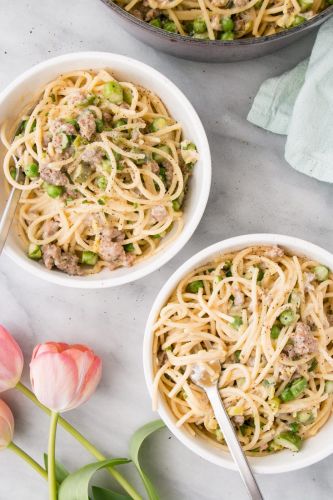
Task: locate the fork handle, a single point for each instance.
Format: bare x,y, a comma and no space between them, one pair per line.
8,216
231,439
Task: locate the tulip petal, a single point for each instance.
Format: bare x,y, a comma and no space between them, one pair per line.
54,378
11,361
6,425
89,369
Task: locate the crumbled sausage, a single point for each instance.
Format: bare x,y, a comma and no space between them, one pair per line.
111,248
159,213
60,125
274,252
53,256
50,228
93,156
75,97
87,124
303,342
154,167
238,419
51,176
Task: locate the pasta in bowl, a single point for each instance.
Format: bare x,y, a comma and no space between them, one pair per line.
261,306
105,164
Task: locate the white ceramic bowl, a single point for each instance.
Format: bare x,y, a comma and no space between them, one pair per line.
26,88
314,449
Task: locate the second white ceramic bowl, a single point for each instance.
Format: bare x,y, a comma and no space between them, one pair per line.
314,449
26,89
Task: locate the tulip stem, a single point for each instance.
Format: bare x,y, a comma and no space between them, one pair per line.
83,441
27,458
51,457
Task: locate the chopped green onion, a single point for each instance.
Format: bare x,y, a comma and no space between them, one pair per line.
13,173
195,286
102,183
127,95
31,170
290,440
287,317
113,91
99,125
158,124
237,322
295,389
274,404
261,274
305,417
329,386
313,365
101,201
237,356
89,258
157,157
120,123
294,426
321,273
34,252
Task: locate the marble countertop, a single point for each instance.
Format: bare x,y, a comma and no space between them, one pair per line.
253,190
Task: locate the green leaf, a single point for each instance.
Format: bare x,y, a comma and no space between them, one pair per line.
61,471
103,494
134,448
76,485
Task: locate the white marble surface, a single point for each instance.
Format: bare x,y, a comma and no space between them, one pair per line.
253,190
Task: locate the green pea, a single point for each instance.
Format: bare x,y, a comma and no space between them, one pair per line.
227,24
195,286
102,183
34,252
275,332
113,91
321,273
297,21
99,125
199,25
54,191
129,247
158,124
237,322
228,35
31,170
157,157
287,317
170,27
156,22
89,258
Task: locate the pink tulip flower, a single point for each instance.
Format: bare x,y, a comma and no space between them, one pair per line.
64,376
11,361
6,425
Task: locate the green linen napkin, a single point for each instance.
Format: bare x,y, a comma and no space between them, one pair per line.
299,104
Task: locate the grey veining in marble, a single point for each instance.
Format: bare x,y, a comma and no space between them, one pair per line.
253,190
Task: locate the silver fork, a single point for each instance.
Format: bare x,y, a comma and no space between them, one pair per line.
206,376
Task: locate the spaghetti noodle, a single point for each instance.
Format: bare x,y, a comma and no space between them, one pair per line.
224,19
105,173
267,317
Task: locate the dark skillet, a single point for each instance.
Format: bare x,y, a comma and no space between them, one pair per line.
212,51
